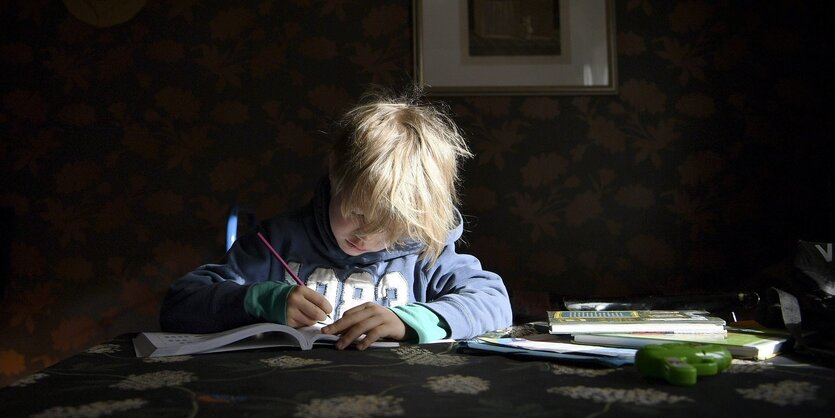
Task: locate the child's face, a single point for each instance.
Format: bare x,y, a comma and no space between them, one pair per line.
344,230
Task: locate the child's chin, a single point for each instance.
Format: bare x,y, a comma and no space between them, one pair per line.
350,250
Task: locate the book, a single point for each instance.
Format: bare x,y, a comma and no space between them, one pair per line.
249,337
741,344
529,341
560,351
597,322
557,346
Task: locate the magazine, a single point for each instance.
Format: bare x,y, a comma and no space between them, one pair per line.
540,344
678,322
560,352
528,340
249,337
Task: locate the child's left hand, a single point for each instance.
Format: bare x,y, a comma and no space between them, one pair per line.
371,319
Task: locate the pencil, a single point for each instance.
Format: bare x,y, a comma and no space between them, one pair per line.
278,257
284,263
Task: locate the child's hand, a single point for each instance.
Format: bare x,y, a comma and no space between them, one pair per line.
371,319
306,307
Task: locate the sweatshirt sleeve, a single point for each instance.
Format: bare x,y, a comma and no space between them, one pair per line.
427,325
471,300
212,298
267,301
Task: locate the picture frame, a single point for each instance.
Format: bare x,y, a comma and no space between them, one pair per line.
514,47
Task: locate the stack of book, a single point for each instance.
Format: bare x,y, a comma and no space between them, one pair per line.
635,329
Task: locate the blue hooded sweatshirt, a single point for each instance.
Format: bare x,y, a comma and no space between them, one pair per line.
467,298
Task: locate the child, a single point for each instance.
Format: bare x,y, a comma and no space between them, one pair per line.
375,247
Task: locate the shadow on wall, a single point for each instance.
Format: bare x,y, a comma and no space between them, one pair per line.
7,218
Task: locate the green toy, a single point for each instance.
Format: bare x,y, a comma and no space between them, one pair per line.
680,363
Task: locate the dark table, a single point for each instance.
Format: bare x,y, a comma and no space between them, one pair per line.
433,380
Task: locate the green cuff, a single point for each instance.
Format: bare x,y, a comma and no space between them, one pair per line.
267,301
427,324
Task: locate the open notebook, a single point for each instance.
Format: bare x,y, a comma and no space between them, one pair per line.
249,337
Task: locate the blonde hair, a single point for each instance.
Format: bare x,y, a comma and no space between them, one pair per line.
397,161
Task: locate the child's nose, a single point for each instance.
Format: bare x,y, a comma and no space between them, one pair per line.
365,242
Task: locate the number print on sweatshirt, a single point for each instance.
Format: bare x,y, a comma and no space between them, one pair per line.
325,282
359,287
392,290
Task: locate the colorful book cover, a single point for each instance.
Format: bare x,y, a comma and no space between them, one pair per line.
692,322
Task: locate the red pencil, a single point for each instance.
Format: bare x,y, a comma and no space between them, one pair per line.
278,257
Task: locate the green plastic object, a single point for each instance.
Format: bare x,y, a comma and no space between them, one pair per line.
681,363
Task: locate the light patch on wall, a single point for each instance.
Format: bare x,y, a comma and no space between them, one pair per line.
104,13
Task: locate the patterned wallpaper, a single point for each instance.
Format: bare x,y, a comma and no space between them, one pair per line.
123,147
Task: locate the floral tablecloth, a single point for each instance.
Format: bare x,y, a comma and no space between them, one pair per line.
412,380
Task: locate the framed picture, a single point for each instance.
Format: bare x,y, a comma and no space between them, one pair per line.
493,47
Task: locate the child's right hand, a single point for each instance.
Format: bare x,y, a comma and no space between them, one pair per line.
306,306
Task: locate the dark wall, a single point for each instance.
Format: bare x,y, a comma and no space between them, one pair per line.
124,146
